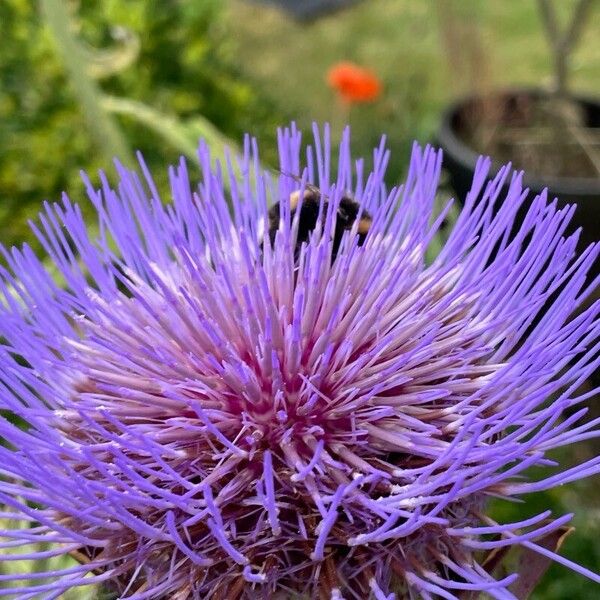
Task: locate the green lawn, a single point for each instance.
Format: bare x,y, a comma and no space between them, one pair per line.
425,52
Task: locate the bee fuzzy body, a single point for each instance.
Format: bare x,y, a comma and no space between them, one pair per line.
310,213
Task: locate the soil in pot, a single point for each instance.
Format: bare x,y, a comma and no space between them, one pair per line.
547,136
556,143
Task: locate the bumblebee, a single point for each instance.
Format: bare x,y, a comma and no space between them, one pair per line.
347,213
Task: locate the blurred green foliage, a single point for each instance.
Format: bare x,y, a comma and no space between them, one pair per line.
582,546
185,68
425,53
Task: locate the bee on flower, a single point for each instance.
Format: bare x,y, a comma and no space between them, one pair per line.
212,405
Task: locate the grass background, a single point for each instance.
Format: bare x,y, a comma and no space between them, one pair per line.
238,66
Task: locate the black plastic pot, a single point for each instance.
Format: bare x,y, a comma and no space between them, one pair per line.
460,159
309,10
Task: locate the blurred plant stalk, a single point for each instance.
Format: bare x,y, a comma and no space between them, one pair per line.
84,66
183,135
102,127
563,42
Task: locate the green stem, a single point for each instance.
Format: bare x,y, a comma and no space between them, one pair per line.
181,136
169,128
101,126
563,42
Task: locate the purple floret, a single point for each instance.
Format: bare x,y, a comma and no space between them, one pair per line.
212,416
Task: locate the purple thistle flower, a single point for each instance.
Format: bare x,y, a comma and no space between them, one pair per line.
210,417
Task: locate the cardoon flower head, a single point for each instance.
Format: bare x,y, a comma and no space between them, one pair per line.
202,413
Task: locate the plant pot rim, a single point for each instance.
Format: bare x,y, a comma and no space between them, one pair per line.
467,157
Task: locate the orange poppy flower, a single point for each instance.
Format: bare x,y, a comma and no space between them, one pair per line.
354,83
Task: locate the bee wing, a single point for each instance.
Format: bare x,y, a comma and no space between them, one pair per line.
309,186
